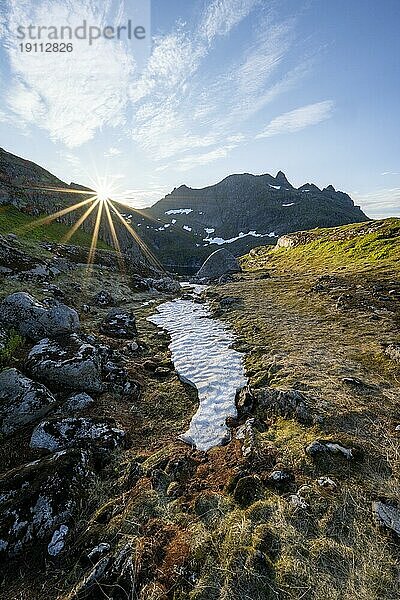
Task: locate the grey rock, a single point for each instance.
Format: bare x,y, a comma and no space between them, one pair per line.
220,262
119,324
67,363
33,320
40,499
318,448
116,573
57,542
77,402
98,551
229,302
298,502
387,516
59,434
327,483
22,401
247,433
103,298
165,285
3,338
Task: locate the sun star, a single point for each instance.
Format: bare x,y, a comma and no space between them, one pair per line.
101,200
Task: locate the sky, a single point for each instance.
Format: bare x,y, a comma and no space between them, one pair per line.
309,87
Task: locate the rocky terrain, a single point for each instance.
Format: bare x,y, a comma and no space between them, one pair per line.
99,498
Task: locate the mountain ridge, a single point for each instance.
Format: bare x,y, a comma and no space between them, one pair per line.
182,229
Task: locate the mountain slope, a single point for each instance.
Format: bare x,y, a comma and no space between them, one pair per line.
185,227
23,187
356,247
246,210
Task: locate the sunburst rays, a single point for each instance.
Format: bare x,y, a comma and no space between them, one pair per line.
100,204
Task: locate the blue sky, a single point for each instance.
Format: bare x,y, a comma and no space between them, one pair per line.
309,87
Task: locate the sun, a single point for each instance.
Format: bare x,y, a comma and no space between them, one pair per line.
101,201
102,194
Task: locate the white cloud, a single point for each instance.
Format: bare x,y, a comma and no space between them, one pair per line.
71,99
178,110
111,152
222,15
390,173
381,203
298,119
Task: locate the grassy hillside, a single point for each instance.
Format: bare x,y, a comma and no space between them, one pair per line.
357,247
14,221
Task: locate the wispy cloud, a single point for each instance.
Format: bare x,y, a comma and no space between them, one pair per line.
298,119
222,15
71,99
111,152
390,173
178,112
381,203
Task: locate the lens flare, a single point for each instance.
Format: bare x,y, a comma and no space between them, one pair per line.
102,198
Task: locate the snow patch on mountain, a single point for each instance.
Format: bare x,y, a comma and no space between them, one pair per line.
179,211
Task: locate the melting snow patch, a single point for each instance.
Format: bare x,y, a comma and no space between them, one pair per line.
186,228
209,230
173,221
202,353
276,187
219,241
291,204
179,211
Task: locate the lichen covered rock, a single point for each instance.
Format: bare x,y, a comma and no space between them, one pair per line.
35,321
67,363
22,401
58,434
119,324
39,501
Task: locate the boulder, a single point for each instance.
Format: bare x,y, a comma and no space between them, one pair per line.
387,516
21,401
67,363
116,572
119,324
33,320
76,403
59,434
166,285
39,501
220,262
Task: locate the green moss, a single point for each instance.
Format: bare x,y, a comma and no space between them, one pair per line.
348,247
14,342
15,221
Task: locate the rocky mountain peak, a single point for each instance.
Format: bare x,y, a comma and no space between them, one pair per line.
281,178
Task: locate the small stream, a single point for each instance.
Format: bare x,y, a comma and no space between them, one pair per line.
202,354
